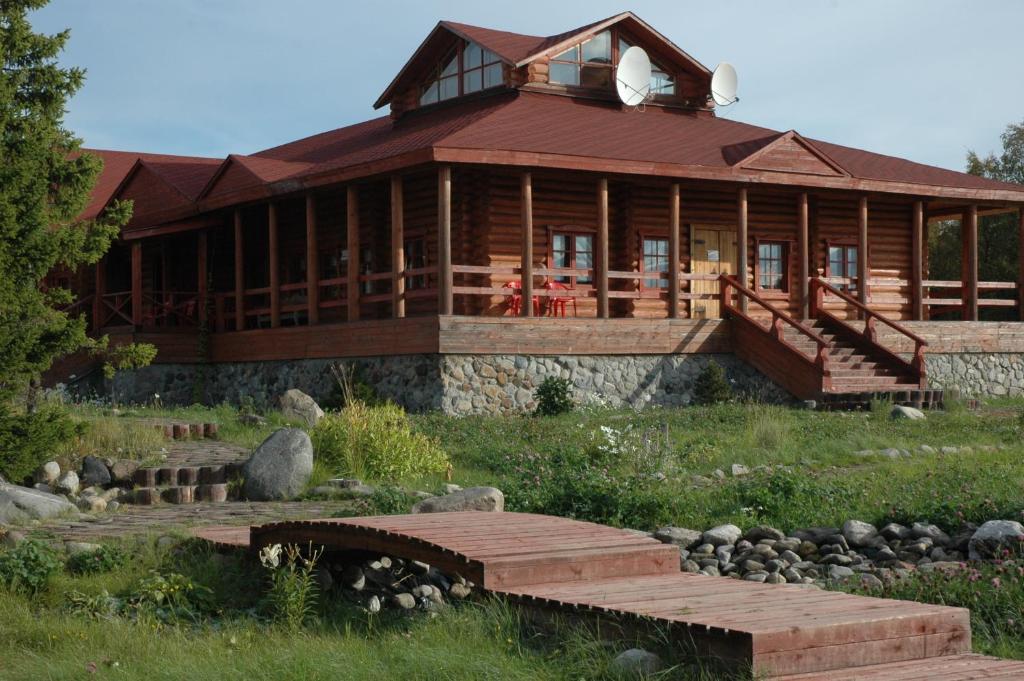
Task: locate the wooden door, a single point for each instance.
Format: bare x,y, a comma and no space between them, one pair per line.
712,251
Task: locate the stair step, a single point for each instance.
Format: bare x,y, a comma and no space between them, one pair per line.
964,667
179,494
173,476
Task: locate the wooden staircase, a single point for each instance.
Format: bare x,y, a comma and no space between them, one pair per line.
826,358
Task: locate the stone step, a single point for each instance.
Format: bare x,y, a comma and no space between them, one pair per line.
179,494
172,476
176,430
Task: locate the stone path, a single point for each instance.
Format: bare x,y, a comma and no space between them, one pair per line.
203,453
168,517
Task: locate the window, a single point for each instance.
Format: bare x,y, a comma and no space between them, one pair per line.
415,258
587,65
662,83
467,68
572,251
655,260
842,262
772,268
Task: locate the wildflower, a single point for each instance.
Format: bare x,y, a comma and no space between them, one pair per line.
270,556
996,582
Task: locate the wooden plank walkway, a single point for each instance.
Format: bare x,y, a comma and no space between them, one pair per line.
785,631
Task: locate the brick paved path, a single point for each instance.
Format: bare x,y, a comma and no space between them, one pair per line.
202,453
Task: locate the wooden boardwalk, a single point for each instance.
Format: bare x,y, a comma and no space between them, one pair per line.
783,631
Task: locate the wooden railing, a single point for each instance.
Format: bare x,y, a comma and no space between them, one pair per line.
170,308
959,302
820,287
117,305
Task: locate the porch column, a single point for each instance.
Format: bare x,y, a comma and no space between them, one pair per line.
445,301
526,239
1020,257
239,273
741,244
673,252
969,231
312,263
97,299
917,264
202,282
602,248
863,285
272,262
352,273
137,282
397,248
803,247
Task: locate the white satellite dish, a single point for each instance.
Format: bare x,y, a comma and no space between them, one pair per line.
633,77
723,85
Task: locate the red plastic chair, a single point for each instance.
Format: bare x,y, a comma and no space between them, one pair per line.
557,304
515,299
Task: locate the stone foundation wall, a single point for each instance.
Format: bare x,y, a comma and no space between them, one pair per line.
977,374
488,384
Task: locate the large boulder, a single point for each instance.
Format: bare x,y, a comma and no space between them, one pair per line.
469,499
993,537
18,504
94,472
280,467
297,405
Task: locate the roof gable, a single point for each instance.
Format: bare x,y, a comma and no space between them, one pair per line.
789,153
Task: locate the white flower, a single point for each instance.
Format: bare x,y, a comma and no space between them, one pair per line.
270,556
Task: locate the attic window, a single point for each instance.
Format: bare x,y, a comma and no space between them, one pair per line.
662,82
467,68
588,64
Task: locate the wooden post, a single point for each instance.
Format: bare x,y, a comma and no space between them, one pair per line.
239,273
1020,257
526,239
863,270
602,248
97,300
673,252
445,301
352,273
397,248
272,264
804,248
202,283
917,264
741,244
137,282
970,235
312,263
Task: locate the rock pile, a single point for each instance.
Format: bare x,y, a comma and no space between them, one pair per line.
392,583
856,551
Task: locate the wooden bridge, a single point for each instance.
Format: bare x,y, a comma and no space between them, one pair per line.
783,632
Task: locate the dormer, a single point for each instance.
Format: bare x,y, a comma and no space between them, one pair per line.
460,61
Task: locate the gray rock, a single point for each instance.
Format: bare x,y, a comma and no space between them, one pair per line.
19,504
869,581
67,483
858,533
894,531
636,663
459,591
989,540
739,470
723,534
756,534
680,536
280,467
926,449
299,406
47,473
469,499
373,605
901,412
404,601
91,503
352,577
933,532
449,488
42,487
838,572
123,470
94,472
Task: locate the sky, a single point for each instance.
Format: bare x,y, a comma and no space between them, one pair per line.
921,79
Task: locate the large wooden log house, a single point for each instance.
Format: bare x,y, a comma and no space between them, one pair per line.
509,204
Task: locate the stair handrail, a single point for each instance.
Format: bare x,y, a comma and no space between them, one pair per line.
817,304
779,319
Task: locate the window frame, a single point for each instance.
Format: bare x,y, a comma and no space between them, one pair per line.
785,260
434,77
616,36
844,244
572,231
663,285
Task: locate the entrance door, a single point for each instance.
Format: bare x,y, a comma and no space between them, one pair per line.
712,251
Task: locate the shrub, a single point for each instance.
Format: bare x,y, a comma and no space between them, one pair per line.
28,566
29,440
375,443
103,559
554,397
711,386
171,596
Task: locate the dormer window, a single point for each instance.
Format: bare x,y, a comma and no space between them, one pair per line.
662,82
467,68
588,64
